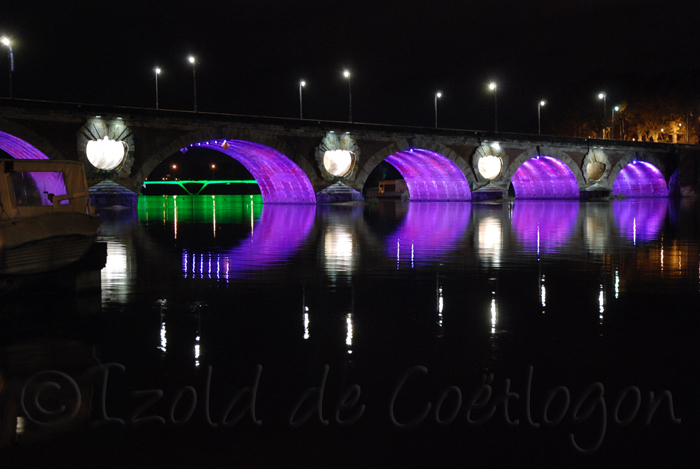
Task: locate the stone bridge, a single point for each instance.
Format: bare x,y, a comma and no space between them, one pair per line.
293,159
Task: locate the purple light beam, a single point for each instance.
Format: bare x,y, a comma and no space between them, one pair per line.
430,176
544,177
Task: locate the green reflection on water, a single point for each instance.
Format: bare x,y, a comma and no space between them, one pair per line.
200,208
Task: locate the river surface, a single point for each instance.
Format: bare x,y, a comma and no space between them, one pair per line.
510,334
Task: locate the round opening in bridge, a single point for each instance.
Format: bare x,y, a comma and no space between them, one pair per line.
105,154
490,166
338,162
595,170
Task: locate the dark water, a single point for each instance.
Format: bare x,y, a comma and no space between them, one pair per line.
388,319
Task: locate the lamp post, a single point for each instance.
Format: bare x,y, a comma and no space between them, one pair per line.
612,122
194,81
302,84
213,167
437,95
6,42
157,70
494,87
346,74
539,107
604,98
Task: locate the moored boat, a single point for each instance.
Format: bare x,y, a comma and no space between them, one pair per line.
46,220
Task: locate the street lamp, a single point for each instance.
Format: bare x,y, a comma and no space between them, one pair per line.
612,122
213,167
604,98
157,73
539,107
346,74
493,87
437,95
302,84
194,81
6,42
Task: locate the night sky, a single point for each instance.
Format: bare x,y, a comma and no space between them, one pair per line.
252,54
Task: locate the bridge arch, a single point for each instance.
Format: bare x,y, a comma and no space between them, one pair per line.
281,180
22,143
432,171
553,176
638,176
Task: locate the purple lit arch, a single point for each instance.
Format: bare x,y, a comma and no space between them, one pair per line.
640,179
281,180
545,177
19,149
430,176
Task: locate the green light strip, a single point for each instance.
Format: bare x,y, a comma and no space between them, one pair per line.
204,183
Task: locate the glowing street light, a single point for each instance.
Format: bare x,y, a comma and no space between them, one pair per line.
346,74
494,87
302,84
539,107
612,122
157,70
604,98
6,41
194,81
437,95
213,167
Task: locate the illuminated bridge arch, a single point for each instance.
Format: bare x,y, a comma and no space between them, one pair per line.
429,174
23,144
635,177
536,176
281,180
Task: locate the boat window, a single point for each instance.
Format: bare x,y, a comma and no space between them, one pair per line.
38,188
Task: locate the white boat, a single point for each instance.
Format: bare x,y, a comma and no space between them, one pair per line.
46,220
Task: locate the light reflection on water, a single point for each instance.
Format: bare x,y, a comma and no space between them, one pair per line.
584,291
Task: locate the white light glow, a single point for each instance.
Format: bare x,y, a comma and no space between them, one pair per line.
191,59
494,315
303,83
348,337
306,325
438,94
339,250
346,74
105,154
492,86
490,240
5,41
490,166
338,162
163,341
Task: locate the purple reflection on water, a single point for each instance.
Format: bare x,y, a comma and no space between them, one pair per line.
640,219
429,231
281,180
544,226
430,176
640,179
18,148
544,177
278,235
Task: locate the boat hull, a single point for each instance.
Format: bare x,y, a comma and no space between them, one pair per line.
46,242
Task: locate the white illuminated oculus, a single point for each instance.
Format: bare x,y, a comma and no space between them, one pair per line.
105,154
490,166
338,162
